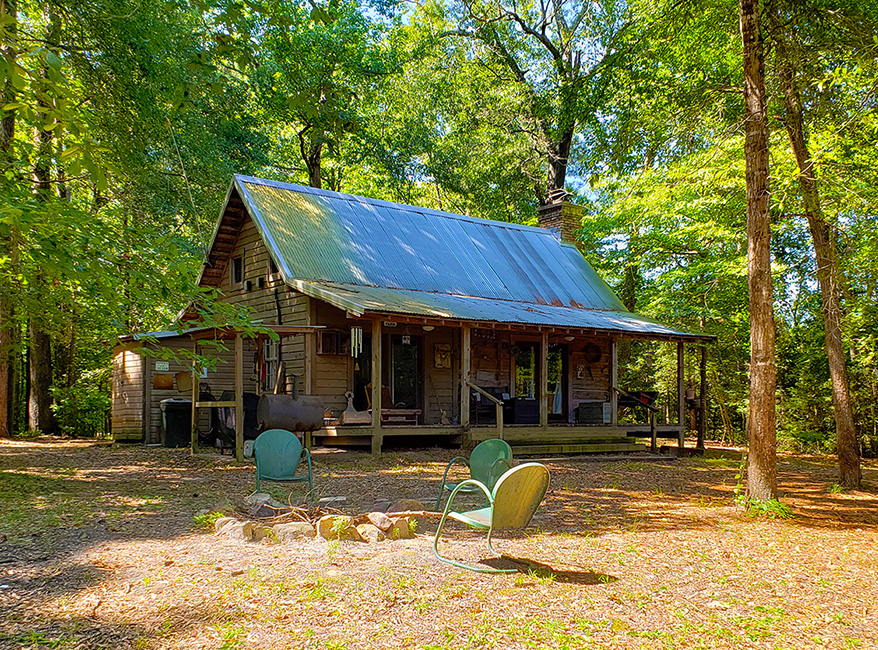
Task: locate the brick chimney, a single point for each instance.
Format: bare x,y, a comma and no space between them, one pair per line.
561,214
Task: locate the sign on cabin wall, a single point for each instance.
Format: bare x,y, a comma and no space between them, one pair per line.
162,366
442,355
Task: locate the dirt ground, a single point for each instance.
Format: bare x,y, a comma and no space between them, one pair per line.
99,548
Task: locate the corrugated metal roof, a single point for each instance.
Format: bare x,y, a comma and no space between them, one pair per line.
370,255
359,300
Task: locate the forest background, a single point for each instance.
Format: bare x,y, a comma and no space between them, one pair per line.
122,123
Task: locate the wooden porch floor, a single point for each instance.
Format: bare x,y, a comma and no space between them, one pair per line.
524,439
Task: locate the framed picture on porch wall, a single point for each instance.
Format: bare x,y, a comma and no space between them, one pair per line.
441,355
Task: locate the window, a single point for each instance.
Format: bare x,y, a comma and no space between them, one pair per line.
333,342
525,365
272,267
237,270
270,354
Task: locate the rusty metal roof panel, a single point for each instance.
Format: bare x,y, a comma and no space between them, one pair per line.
406,259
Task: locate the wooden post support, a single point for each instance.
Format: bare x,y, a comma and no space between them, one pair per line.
681,396
702,395
543,388
653,432
377,436
239,397
614,382
466,358
194,432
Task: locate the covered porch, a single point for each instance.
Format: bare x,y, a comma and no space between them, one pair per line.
545,389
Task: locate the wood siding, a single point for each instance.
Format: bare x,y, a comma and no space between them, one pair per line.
153,424
274,304
441,385
332,373
127,391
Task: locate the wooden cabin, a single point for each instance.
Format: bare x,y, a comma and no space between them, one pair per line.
425,325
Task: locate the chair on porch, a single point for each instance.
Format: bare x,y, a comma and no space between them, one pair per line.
488,461
278,454
511,505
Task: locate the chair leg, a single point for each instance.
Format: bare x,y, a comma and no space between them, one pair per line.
461,565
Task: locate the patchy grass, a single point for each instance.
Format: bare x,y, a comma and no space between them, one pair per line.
104,550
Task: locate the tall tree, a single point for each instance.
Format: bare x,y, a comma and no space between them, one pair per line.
40,359
9,16
312,69
762,459
785,20
553,56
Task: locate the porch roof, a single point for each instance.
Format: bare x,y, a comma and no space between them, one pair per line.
359,300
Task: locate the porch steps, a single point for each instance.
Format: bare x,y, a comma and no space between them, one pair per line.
551,449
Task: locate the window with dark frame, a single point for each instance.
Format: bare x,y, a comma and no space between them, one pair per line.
272,267
237,270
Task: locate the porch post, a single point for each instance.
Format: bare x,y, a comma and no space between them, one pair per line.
544,379
376,387
194,440
614,380
702,394
681,397
466,358
239,397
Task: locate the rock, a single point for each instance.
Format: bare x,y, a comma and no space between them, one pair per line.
262,532
293,530
371,533
382,505
405,505
220,523
261,505
380,521
402,529
338,527
332,502
242,530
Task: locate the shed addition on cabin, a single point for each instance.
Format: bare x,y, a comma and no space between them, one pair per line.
433,326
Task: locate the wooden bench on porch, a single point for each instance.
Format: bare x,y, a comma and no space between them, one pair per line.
392,416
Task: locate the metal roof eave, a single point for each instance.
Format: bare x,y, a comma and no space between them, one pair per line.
374,306
321,293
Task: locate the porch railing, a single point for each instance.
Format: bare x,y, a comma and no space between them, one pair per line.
498,404
653,431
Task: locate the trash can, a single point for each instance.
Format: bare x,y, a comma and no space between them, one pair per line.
176,422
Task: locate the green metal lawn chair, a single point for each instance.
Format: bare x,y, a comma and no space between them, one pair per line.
511,505
278,454
489,460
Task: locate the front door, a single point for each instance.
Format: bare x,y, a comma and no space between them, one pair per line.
405,372
557,384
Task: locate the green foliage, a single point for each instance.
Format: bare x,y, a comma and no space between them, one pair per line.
137,116
207,520
83,409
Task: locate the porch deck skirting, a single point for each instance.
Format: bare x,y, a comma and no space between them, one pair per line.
525,439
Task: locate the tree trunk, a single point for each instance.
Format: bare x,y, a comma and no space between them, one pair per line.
827,275
8,53
313,161
40,415
762,463
559,155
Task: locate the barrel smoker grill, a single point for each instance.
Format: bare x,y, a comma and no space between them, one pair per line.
293,413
